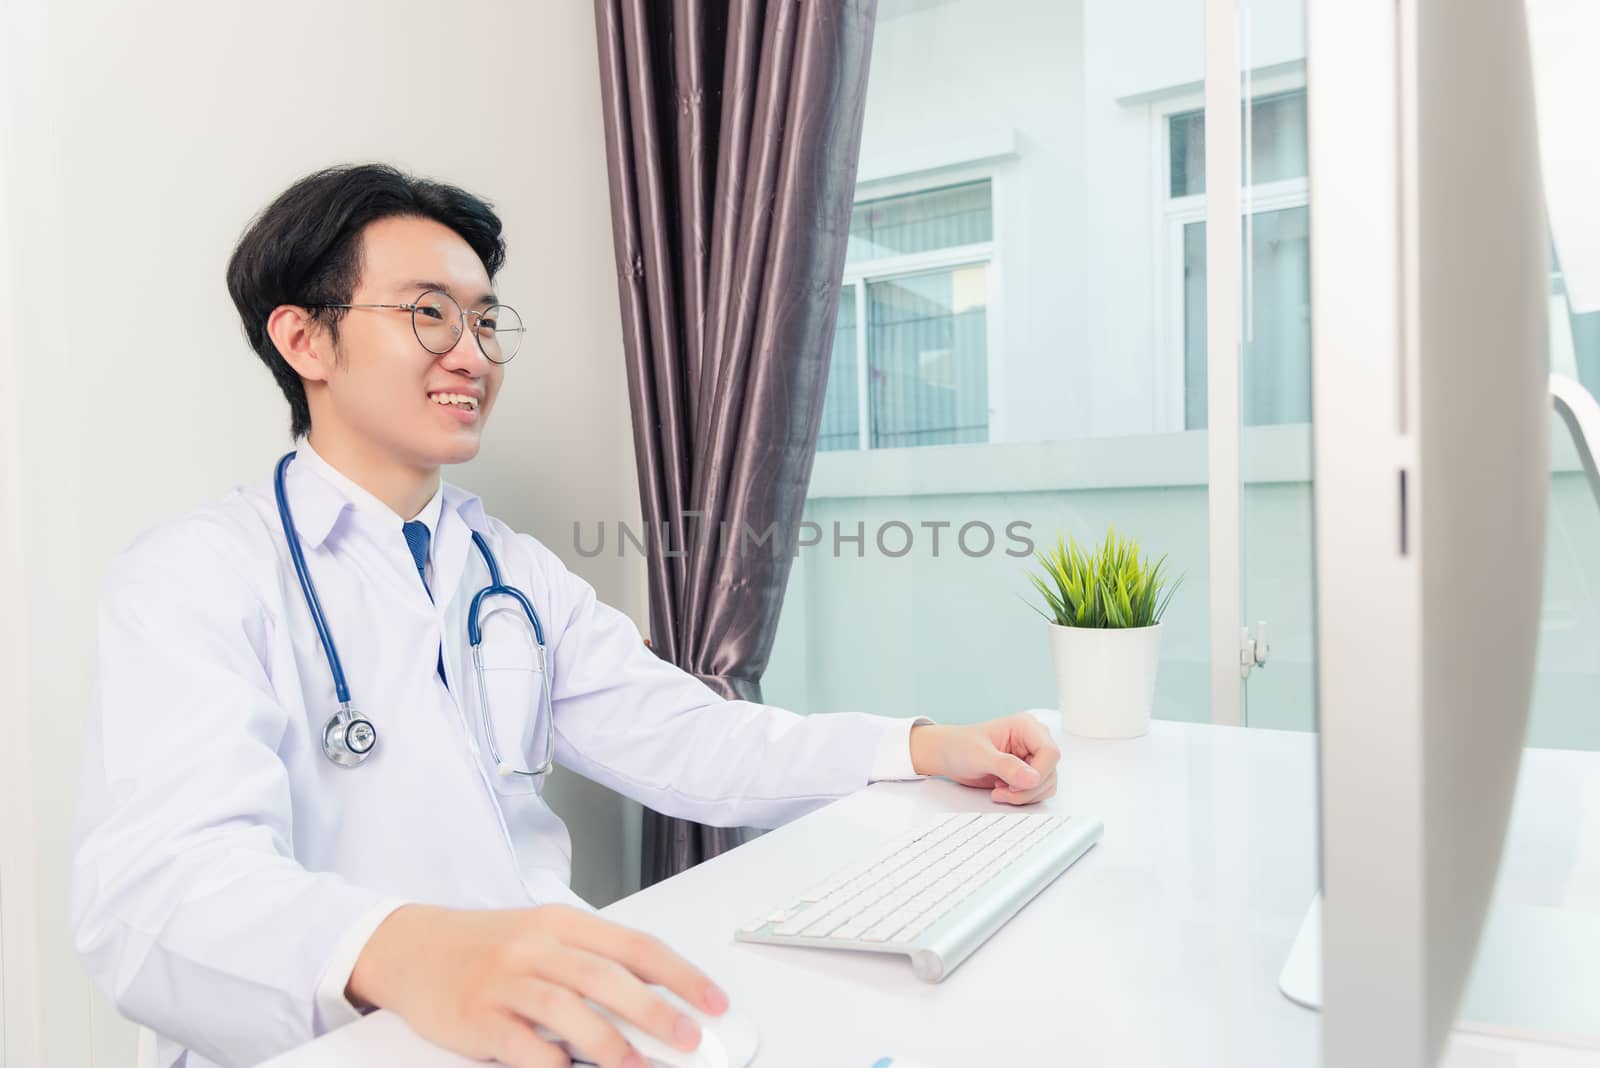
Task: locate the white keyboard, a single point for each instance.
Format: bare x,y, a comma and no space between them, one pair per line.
935,895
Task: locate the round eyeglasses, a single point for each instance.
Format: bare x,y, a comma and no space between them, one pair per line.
438,321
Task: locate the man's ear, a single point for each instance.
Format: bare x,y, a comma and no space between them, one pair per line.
302,341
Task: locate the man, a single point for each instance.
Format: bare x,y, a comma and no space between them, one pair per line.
252,869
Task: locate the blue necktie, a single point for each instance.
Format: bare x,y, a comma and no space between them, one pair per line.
417,541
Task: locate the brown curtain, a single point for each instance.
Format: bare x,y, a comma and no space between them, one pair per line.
732,132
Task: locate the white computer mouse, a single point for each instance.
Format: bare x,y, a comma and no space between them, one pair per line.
726,1041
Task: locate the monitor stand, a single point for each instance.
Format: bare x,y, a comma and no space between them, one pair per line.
1536,977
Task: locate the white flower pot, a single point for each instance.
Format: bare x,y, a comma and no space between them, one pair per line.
1106,679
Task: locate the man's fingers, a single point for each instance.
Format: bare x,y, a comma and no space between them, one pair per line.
1008,796
569,1017
1036,743
608,983
1042,790
1045,758
649,959
516,1046
1013,771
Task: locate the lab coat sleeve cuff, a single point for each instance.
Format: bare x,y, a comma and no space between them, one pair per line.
333,1008
893,761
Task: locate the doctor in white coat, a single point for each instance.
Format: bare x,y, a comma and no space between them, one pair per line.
239,892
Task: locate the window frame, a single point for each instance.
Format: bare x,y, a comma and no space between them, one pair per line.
888,268
1174,213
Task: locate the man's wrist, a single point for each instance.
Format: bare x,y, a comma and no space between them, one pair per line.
364,988
925,739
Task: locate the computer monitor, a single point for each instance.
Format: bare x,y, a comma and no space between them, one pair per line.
1432,425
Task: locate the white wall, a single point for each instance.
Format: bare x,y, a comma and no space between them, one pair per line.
140,140
1154,45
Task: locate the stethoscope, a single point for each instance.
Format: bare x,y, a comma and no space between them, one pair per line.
349,737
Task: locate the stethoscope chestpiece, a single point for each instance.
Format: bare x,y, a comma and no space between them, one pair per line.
349,737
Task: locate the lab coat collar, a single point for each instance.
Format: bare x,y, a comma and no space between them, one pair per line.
466,505
363,499
452,548
315,502
318,500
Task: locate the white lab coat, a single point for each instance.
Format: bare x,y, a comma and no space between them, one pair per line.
227,873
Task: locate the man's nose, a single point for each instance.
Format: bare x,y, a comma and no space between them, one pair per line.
466,355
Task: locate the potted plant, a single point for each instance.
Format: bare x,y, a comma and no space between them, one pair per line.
1105,608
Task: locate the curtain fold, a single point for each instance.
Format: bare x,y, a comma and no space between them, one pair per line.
732,132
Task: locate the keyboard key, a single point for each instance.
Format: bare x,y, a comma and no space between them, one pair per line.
826,926
854,928
883,929
899,897
877,912
799,921
819,892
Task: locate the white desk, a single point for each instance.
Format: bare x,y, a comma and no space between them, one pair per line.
1162,945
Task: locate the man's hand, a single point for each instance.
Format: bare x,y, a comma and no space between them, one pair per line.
477,981
1013,758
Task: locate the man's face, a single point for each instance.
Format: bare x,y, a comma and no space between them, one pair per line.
387,393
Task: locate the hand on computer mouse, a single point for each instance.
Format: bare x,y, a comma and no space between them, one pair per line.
1012,757
479,981
726,1041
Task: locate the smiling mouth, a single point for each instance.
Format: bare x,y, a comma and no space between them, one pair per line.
454,400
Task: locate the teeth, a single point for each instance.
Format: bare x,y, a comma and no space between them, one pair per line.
456,399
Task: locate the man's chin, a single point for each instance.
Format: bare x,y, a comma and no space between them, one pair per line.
457,451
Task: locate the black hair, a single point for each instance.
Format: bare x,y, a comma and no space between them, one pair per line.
305,249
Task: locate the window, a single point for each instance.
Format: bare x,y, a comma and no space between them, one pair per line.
1569,626
1276,368
1005,366
1027,272
910,351
1574,336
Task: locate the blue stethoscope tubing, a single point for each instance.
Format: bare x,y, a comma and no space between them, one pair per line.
350,737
